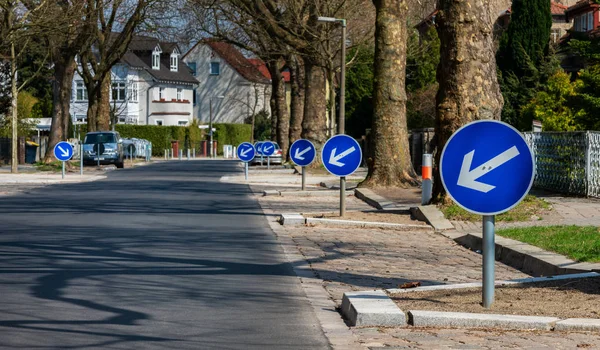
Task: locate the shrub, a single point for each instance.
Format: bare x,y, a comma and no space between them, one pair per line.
231,134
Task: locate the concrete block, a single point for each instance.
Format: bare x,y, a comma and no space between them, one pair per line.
578,324
292,219
433,216
365,224
373,308
271,193
470,320
312,193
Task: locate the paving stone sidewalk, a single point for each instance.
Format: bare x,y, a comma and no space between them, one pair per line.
351,259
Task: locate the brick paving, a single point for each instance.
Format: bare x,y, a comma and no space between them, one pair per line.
350,259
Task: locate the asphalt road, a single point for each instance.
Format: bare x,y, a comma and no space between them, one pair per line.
156,257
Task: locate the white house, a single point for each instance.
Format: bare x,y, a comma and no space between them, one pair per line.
230,85
150,85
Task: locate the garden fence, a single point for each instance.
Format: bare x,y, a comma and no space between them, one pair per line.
567,162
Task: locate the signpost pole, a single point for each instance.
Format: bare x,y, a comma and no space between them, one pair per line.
489,258
342,195
81,158
268,162
98,153
303,178
246,168
63,170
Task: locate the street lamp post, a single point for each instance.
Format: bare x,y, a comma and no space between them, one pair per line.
342,114
210,128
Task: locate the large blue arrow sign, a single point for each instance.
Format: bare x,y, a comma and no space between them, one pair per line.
302,152
487,167
63,151
341,155
246,152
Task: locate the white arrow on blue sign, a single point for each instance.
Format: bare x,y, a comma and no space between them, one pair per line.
246,152
63,151
487,167
268,148
341,155
303,152
259,147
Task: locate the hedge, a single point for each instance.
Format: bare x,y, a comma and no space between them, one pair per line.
188,136
231,134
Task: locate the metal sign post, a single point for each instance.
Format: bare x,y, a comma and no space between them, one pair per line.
487,168
303,153
246,153
80,158
341,155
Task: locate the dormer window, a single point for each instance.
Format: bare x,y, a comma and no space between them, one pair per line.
156,58
174,60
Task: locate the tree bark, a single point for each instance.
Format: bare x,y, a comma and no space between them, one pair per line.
273,105
391,164
467,76
314,123
64,71
98,113
296,66
282,128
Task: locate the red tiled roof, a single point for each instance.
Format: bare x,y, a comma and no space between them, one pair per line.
581,4
557,9
262,67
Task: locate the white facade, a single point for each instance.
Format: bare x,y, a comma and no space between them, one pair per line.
133,93
234,97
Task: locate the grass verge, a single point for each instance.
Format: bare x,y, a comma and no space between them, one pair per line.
531,206
581,243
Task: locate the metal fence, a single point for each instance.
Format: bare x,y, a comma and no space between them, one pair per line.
567,162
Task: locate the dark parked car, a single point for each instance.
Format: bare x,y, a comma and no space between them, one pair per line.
276,158
103,146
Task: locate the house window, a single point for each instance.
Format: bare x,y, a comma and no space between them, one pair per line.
584,22
80,118
555,34
192,66
118,91
182,122
80,92
194,97
161,93
590,21
159,122
133,92
174,63
215,68
156,58
179,94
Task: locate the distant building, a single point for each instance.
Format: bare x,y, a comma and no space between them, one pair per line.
150,85
229,82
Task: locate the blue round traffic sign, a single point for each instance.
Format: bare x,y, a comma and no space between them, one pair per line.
341,155
63,151
246,152
303,152
487,167
258,147
268,148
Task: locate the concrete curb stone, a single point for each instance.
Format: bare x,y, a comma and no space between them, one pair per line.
578,324
364,223
376,201
420,318
371,308
292,219
433,216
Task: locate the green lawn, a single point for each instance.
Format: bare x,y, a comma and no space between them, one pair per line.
530,206
581,243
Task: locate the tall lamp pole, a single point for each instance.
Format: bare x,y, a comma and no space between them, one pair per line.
210,128
342,114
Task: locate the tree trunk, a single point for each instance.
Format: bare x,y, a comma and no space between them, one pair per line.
391,163
64,71
469,87
14,159
314,123
98,113
297,96
273,105
283,118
